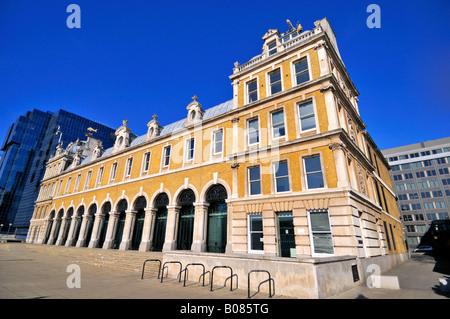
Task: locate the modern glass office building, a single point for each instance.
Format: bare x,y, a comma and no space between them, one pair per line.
27,146
421,177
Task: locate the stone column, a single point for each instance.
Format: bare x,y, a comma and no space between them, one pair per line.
341,167
330,105
170,242
229,245
109,240
61,232
130,217
147,233
322,56
95,230
53,234
200,224
70,235
84,226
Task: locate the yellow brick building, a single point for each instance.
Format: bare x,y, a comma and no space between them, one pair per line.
284,172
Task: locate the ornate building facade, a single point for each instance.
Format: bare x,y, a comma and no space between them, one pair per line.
285,172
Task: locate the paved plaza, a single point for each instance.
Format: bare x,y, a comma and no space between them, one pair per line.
28,273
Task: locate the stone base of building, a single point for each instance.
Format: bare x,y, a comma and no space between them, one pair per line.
301,277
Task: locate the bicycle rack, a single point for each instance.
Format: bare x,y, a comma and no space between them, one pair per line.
270,280
232,275
186,273
172,262
143,267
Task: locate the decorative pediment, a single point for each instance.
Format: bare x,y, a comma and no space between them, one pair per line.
122,137
195,112
97,151
154,129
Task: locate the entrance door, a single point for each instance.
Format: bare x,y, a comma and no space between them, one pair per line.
119,230
185,227
159,234
286,234
138,227
217,227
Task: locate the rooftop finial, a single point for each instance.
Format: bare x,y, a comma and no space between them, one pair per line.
125,122
195,98
155,116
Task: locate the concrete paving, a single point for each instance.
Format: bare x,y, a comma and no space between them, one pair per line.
25,273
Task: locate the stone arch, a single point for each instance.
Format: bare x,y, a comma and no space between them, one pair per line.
208,185
137,196
157,193
181,189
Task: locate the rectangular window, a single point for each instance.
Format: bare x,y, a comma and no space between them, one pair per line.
77,183
420,174
218,141
255,233
253,132
100,176
281,176
190,149
166,156
301,71
252,91
387,235
443,171
113,171
146,162
313,171
59,187
275,82
307,118
393,238
129,167
272,48
322,242
66,190
278,129
254,180
88,179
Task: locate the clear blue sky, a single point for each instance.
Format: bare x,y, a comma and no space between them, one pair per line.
131,59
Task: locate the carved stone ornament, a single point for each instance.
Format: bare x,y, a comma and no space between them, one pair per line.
336,146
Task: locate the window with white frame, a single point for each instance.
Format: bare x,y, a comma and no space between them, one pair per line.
278,129
77,183
272,47
128,167
313,172
218,141
275,82
255,233
112,176
190,144
253,131
146,162
66,190
320,230
99,176
254,180
88,179
252,91
59,187
281,173
307,117
166,158
301,71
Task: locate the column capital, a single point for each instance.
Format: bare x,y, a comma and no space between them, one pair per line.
337,146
